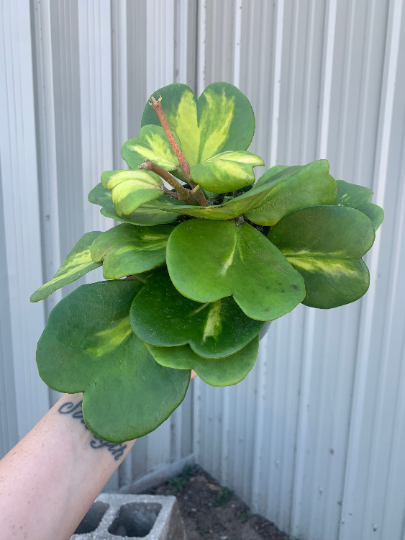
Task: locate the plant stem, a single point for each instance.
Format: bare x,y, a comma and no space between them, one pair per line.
168,193
156,104
183,193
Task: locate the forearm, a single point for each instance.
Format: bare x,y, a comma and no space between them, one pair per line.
51,478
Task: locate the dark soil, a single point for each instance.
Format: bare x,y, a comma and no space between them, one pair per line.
213,512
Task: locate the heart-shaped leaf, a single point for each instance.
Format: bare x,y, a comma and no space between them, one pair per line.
277,195
131,189
221,119
76,265
227,171
128,249
161,316
216,372
358,197
210,260
88,346
310,185
148,214
151,144
325,244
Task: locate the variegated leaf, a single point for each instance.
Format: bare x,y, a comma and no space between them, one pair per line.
209,260
161,316
221,119
227,171
325,244
77,264
128,249
278,194
148,214
214,371
354,196
151,144
131,189
88,346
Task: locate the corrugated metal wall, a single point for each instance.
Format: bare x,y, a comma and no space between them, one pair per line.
314,437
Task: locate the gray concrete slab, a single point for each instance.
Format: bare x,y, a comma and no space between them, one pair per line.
117,516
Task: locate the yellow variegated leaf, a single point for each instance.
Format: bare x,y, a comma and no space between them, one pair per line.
325,245
151,144
131,189
128,249
227,171
76,264
221,119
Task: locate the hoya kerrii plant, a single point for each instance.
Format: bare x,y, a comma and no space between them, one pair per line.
203,257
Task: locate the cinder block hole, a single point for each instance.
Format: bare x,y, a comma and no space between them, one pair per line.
92,519
135,519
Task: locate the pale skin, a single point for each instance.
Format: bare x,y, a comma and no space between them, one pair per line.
50,479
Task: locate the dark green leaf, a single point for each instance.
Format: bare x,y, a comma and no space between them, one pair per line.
216,372
358,197
76,265
88,346
161,316
209,260
310,185
325,244
128,249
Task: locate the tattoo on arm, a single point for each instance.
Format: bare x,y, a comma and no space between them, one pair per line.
75,411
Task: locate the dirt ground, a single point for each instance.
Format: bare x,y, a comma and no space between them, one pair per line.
213,512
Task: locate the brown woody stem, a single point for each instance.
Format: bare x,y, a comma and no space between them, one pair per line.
156,104
183,193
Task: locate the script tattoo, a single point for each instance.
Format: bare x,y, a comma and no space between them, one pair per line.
75,411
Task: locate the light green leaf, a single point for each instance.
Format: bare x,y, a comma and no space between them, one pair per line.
161,316
148,214
131,189
88,346
76,265
227,171
274,197
128,249
310,185
151,144
354,196
211,260
325,244
216,372
221,119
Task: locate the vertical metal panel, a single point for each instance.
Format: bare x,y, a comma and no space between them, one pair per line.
94,21
21,207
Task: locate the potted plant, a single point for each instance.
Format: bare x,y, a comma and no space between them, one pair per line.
194,271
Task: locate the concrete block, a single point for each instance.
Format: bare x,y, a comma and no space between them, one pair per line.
115,516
